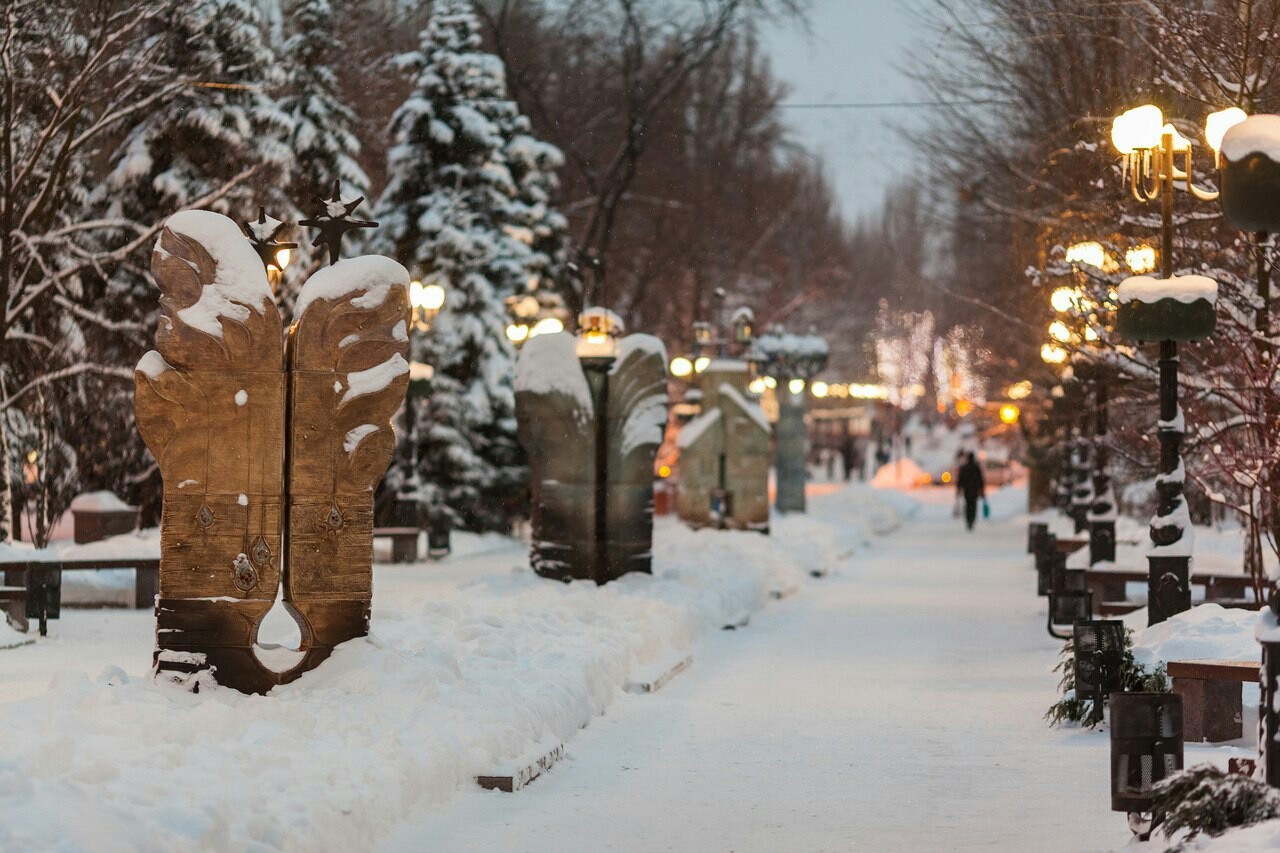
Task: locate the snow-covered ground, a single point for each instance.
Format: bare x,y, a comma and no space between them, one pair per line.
474,665
894,704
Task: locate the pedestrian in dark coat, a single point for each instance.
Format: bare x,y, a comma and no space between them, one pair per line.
971,487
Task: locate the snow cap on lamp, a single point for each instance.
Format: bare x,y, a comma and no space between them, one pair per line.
1167,309
1250,182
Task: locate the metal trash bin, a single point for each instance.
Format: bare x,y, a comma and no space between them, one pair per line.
1098,651
1048,560
1146,746
1067,608
1035,530
439,533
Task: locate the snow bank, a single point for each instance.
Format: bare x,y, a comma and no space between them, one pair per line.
1264,836
1258,134
103,501
869,509
902,474
143,544
1183,288
104,586
455,680
1208,631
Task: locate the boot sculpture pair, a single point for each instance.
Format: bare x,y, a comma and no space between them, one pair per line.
270,446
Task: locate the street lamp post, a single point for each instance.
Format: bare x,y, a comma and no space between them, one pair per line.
791,361
597,350
426,302
1250,174
1168,310
1096,501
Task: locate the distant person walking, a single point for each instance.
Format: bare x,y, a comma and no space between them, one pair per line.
972,487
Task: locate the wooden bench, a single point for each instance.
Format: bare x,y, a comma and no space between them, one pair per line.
1070,546
1212,703
404,542
1107,586
146,583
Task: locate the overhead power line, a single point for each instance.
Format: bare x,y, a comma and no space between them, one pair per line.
875,105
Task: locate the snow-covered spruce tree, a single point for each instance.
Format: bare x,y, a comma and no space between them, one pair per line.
218,140
533,164
224,126
453,212
324,142
1134,677
1205,799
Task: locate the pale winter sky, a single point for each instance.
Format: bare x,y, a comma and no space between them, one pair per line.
853,53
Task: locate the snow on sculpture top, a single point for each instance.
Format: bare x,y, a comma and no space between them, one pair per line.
1183,288
541,370
217,278
591,419
783,354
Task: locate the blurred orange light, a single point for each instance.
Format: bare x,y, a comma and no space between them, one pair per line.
664,471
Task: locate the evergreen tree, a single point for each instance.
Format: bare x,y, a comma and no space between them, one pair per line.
533,164
222,124
218,141
324,142
454,213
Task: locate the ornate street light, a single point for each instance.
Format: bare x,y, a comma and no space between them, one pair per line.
789,361
533,313
1167,310
1249,156
681,367
427,300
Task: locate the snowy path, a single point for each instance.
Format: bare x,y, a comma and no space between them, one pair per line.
893,706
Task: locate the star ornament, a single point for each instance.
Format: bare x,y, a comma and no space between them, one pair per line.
333,220
262,233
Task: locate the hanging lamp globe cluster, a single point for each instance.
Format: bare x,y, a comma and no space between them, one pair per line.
786,356
1168,308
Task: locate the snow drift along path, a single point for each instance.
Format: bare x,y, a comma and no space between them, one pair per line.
893,706
473,666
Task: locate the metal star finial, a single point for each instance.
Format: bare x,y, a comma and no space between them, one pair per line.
332,220
262,234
